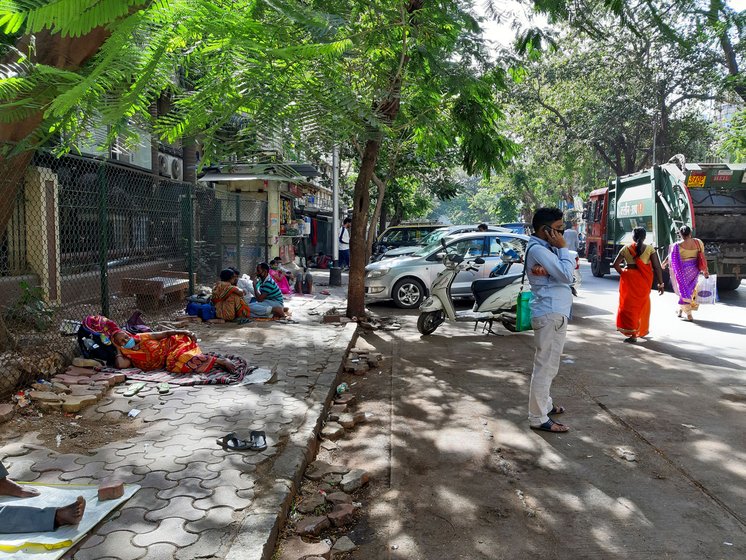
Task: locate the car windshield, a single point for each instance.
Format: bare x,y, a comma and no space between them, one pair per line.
433,237
427,249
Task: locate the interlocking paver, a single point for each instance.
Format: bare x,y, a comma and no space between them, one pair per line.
146,498
169,531
132,519
214,518
157,480
20,469
57,462
208,545
223,496
193,470
189,487
161,551
117,545
240,478
179,507
90,470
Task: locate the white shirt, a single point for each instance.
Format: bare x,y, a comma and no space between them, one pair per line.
244,283
344,244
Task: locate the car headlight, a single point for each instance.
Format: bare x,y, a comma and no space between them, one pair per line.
378,272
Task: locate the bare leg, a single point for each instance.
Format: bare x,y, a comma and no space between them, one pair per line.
11,488
70,514
226,364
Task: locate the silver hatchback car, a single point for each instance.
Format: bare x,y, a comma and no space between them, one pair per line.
407,280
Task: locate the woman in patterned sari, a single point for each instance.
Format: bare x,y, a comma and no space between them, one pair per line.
176,351
686,264
636,279
228,298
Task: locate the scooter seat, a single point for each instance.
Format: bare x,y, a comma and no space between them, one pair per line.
485,287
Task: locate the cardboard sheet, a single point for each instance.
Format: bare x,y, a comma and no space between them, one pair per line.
52,545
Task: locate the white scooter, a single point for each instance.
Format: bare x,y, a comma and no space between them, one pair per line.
492,296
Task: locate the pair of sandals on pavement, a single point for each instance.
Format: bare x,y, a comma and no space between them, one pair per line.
550,425
231,442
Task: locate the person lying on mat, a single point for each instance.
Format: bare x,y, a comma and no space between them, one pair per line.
28,519
175,350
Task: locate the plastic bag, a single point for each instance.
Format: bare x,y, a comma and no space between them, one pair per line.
523,312
707,290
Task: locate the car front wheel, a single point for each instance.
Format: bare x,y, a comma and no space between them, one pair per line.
408,293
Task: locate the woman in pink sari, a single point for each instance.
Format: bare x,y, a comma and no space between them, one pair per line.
686,259
280,277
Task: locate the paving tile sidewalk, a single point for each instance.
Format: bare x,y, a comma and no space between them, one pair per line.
198,500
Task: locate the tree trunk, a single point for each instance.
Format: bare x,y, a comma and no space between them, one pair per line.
360,207
377,211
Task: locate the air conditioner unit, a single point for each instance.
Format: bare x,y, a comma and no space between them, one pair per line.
164,168
177,169
170,166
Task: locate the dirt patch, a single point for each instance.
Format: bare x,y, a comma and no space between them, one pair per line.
77,434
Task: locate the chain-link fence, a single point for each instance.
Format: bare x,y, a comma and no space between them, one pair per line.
88,236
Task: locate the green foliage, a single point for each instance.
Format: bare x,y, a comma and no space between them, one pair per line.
30,310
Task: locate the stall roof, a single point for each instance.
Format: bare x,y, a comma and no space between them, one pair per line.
286,171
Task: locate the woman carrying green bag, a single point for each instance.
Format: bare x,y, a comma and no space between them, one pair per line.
550,272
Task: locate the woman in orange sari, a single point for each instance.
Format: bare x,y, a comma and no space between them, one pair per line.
636,279
176,351
228,298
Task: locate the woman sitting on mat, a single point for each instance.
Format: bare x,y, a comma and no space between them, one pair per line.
636,279
175,351
228,298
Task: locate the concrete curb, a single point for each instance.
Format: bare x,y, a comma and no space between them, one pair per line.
257,536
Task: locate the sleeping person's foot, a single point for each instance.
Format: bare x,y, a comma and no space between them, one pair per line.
70,514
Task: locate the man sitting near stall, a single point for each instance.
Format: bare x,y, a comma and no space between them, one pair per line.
267,292
228,299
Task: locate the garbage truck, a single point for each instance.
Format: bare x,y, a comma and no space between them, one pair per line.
708,197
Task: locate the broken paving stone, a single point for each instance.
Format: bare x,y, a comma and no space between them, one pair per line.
6,412
60,387
310,503
333,479
85,363
44,396
312,526
338,498
296,548
346,420
342,514
80,371
319,469
332,431
326,488
343,545
76,404
329,445
346,399
626,454
356,478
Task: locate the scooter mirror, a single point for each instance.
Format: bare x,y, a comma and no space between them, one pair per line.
479,260
440,256
443,242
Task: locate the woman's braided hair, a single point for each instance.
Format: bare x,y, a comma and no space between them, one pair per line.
638,235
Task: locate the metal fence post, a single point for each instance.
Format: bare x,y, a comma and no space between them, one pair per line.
103,237
238,231
191,196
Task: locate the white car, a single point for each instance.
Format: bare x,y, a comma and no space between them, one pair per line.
407,279
433,237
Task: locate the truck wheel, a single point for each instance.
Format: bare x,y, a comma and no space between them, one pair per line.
429,321
597,268
408,293
728,284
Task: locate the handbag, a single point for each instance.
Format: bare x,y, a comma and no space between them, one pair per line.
707,290
523,302
701,258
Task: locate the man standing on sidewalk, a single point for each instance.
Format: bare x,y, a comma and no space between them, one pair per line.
344,244
550,269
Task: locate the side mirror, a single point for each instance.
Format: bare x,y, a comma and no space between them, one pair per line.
440,256
443,242
479,260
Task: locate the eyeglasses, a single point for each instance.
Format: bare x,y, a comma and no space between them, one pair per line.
560,231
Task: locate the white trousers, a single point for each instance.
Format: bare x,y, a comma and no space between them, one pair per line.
549,339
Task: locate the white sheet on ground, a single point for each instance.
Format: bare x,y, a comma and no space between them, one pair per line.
52,545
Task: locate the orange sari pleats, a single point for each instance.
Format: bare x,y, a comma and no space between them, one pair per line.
633,317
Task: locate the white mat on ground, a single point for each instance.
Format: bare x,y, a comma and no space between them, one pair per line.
52,545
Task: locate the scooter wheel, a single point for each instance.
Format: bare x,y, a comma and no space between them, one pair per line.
429,321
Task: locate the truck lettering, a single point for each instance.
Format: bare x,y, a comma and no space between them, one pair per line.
696,180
